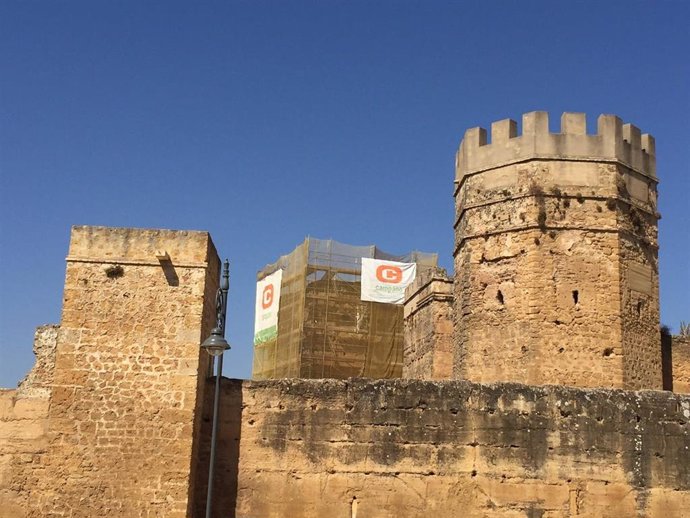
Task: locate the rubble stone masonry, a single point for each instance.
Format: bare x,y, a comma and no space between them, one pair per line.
24,425
556,272
119,432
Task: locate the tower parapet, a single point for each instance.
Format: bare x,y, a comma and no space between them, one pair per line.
556,275
613,142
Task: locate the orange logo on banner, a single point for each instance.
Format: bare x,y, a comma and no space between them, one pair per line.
267,296
389,274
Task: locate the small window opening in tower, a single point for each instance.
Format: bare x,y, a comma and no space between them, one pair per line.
499,297
576,296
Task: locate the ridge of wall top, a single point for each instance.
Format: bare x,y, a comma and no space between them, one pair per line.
614,141
140,245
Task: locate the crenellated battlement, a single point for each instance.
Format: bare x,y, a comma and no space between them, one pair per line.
613,142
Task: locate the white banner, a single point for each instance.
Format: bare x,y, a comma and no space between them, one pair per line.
267,303
385,281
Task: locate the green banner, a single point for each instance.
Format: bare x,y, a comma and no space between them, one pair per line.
265,335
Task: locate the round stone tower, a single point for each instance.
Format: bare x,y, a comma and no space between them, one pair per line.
556,273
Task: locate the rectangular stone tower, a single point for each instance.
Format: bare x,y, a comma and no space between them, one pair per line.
129,374
428,327
556,255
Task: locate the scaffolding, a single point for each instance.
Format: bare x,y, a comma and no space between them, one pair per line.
324,329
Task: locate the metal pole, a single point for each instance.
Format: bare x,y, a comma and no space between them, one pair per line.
221,309
214,432
223,296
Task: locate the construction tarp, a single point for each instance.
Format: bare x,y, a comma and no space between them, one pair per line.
324,328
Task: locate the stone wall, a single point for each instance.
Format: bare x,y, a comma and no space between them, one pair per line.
24,425
680,358
23,439
428,327
556,255
39,381
128,379
391,448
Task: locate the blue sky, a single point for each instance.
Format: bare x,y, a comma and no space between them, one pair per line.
264,122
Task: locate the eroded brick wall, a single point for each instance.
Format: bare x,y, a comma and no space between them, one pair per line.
23,439
24,426
391,448
556,278
680,357
129,375
428,327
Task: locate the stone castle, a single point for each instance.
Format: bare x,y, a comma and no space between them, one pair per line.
532,380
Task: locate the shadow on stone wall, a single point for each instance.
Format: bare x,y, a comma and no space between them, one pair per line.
227,449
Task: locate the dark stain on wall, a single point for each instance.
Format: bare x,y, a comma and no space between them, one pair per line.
386,419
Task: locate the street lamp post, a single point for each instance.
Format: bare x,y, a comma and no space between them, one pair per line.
215,345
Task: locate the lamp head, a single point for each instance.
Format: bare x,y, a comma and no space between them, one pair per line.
215,344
